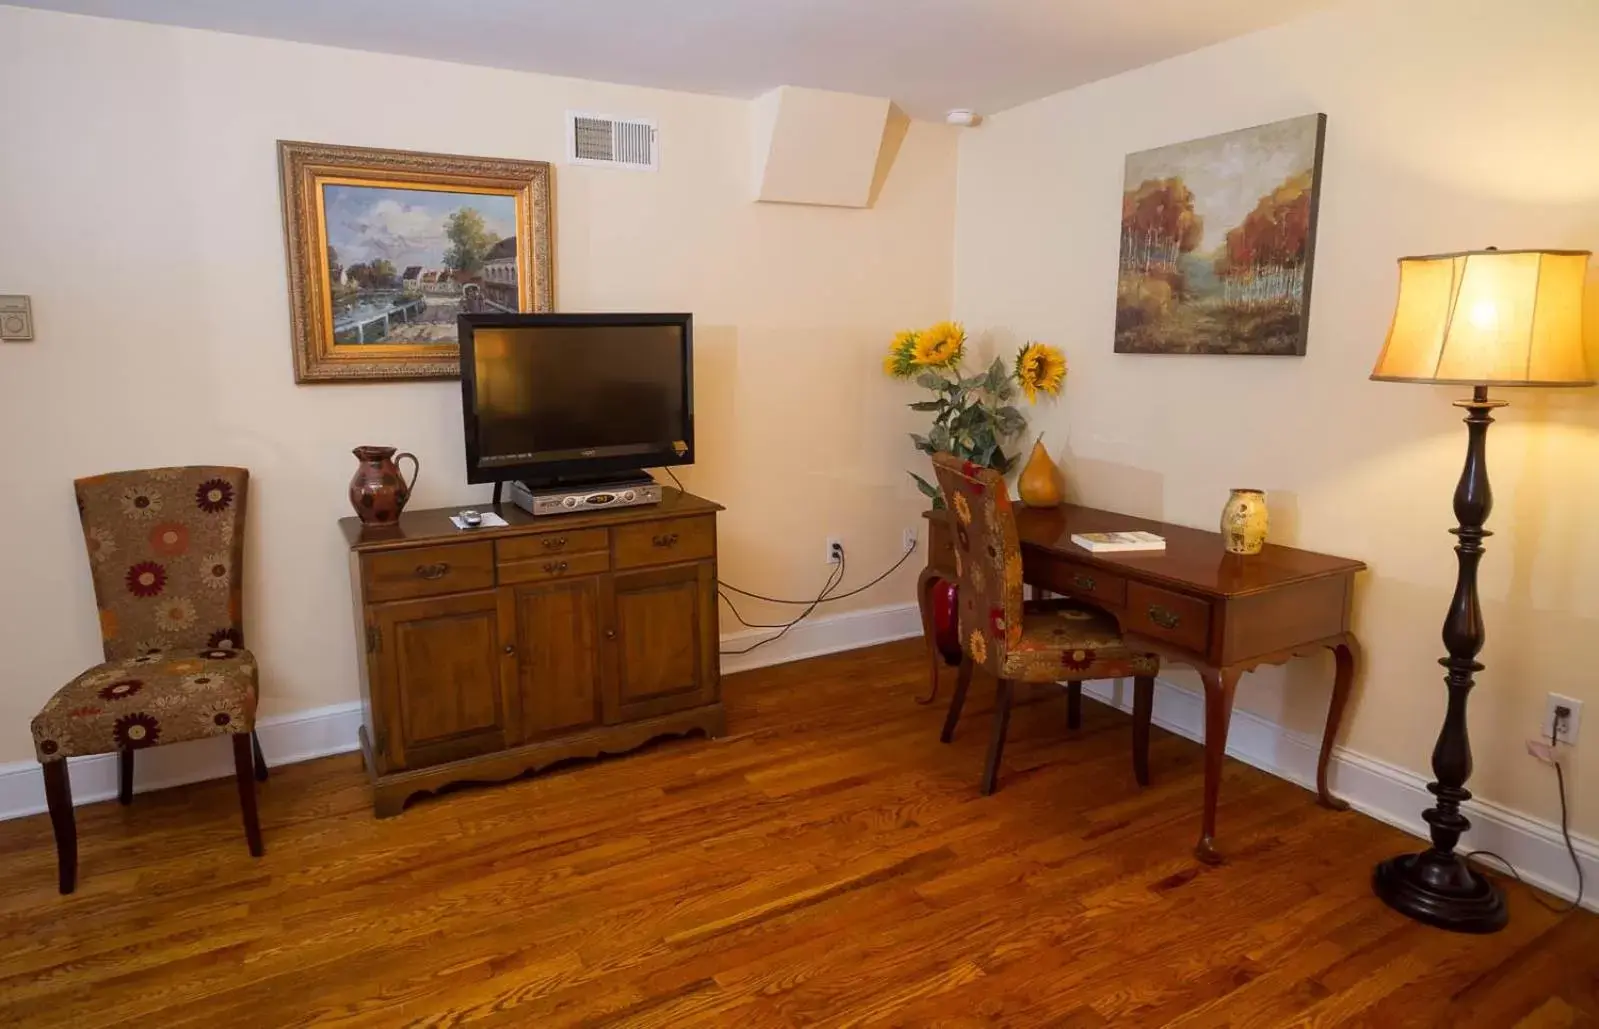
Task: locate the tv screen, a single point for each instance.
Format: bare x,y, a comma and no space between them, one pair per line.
551,397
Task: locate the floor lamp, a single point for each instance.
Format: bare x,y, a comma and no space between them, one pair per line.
1480,318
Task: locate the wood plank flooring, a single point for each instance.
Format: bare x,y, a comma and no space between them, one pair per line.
827,864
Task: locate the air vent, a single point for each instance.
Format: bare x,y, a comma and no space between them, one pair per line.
613,142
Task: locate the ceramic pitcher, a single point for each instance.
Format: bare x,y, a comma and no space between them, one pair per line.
377,492
1243,522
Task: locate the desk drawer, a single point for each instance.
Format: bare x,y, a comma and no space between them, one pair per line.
666,542
429,571
1087,583
1165,615
535,548
554,566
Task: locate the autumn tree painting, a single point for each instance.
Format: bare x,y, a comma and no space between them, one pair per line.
1217,237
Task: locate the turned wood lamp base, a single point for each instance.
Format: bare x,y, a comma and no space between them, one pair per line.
1441,890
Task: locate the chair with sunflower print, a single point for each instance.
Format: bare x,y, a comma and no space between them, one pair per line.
1037,641
165,548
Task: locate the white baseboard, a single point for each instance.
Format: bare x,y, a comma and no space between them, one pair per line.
825,635
303,735
1376,788
1386,792
285,739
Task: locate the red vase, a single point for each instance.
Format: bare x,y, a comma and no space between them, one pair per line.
377,492
946,621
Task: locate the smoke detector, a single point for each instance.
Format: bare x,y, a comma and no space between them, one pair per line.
963,117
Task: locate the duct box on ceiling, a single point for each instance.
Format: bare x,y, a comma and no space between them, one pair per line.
814,146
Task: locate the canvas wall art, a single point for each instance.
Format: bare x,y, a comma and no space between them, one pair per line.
1218,237
387,247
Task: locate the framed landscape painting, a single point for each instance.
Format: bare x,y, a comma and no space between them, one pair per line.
387,247
1217,241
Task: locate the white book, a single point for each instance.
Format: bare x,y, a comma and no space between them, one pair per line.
1118,542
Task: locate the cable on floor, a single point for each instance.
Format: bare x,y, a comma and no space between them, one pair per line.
1565,834
833,580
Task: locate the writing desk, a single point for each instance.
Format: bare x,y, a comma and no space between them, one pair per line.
1193,604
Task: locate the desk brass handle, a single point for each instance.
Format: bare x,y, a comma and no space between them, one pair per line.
554,566
434,571
1164,617
1083,582
559,541
665,540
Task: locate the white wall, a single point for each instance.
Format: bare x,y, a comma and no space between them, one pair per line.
1452,124
139,206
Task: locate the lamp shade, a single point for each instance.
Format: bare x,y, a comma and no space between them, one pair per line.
1489,318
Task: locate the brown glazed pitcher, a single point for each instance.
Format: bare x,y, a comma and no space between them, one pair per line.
377,492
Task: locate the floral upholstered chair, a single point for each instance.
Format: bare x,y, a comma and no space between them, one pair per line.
1038,641
165,548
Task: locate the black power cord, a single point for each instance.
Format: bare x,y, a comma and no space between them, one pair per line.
1565,834
833,579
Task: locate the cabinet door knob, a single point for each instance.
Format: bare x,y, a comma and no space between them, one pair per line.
610,634
510,648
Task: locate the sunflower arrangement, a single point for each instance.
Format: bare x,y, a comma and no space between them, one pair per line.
973,415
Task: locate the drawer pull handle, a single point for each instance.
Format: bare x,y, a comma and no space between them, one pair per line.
554,566
433,571
559,541
665,540
1083,582
1164,617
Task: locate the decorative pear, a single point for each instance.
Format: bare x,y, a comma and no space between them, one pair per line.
1040,482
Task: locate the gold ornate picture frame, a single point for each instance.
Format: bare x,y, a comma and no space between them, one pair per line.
386,247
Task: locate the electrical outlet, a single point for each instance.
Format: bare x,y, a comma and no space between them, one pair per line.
835,550
908,541
1564,730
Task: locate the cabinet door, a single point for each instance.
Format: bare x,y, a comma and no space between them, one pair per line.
439,672
557,627
662,641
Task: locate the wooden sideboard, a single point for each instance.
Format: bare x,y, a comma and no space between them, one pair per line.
489,652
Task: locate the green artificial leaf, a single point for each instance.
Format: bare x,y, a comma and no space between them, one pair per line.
932,380
938,439
922,443
996,376
927,405
928,489
1011,422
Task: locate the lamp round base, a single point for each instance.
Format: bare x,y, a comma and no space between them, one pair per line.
1441,890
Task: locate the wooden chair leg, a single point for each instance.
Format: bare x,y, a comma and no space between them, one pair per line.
996,744
261,770
1143,713
58,795
125,776
1074,704
244,772
963,679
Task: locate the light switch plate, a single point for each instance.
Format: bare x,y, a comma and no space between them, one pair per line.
16,318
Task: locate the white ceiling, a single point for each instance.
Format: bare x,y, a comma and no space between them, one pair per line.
928,55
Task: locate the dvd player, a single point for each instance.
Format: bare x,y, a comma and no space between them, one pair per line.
567,500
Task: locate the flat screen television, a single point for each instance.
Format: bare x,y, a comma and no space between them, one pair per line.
550,399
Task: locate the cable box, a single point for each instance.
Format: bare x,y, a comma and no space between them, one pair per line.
567,500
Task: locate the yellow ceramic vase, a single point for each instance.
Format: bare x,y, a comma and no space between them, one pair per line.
1040,482
1244,521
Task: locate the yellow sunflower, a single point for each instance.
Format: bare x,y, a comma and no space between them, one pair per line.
940,346
977,646
1040,368
900,359
963,509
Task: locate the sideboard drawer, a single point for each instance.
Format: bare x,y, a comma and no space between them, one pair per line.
659,543
554,566
531,548
429,571
1165,615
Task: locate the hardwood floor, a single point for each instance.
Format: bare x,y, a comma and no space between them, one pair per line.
829,863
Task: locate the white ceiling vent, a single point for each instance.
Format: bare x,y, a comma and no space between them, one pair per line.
613,142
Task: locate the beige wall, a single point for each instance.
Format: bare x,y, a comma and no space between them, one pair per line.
1452,124
139,206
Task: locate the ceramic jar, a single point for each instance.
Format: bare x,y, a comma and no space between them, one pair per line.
1243,522
377,492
